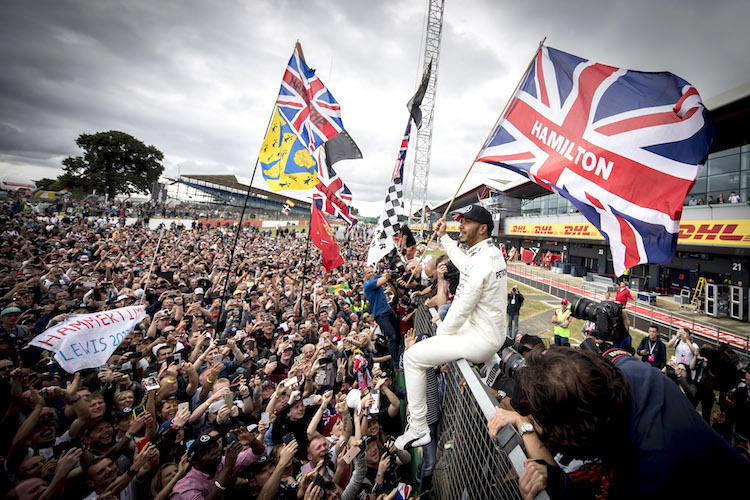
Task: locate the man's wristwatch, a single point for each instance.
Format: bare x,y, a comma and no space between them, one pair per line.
526,427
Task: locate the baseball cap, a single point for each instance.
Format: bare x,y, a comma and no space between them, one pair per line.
477,213
201,444
10,310
198,291
564,301
124,413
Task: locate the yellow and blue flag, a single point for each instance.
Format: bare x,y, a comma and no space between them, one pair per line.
285,160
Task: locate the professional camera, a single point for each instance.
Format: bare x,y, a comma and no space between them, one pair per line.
453,276
722,368
511,362
605,316
410,303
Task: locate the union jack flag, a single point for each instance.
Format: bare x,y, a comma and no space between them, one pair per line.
331,194
307,104
625,147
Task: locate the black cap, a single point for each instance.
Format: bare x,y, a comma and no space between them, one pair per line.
201,444
477,213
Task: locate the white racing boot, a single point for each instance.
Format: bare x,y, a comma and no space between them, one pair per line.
413,437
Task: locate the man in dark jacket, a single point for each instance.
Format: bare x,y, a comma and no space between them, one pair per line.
515,302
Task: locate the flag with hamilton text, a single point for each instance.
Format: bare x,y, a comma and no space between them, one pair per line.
625,147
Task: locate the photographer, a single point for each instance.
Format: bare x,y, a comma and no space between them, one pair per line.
381,311
515,302
638,427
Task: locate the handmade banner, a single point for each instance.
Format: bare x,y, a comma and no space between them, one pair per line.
88,340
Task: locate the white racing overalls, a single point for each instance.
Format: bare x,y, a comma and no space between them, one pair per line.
474,328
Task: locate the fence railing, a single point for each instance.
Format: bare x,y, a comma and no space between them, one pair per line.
641,315
471,465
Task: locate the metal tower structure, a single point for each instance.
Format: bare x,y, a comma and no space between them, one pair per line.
433,34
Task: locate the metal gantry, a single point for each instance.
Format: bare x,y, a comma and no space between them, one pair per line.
420,176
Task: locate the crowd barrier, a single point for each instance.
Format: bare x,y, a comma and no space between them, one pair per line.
471,465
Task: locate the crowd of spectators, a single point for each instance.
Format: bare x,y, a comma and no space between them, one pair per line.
287,391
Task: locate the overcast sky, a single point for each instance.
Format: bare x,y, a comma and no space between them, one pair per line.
198,79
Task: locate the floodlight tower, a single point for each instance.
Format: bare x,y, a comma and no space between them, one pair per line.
433,34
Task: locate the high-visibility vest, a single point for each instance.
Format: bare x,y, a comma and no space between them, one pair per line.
560,331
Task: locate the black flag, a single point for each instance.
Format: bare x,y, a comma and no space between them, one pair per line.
341,147
415,102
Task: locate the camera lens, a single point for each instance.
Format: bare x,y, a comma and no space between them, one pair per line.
511,362
584,308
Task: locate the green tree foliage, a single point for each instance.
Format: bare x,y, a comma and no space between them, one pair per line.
114,163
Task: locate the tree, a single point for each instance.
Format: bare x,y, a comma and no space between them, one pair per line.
113,162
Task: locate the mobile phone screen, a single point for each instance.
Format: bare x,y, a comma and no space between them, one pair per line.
351,454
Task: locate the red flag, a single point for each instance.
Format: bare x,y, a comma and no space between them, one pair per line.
321,235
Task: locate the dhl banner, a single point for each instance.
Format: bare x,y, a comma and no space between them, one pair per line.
581,231
716,232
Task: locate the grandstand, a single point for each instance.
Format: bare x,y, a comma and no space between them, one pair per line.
223,190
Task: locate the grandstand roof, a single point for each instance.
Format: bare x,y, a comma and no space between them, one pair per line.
231,182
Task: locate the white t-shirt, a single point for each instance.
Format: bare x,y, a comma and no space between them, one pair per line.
682,352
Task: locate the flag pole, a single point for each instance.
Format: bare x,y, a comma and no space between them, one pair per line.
151,267
242,215
502,115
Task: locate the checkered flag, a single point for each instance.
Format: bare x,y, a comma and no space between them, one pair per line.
393,212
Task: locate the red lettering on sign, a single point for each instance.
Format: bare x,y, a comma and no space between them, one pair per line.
727,233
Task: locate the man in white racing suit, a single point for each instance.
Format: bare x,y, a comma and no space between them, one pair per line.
474,328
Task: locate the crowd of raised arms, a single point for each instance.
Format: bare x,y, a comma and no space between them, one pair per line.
198,401
283,390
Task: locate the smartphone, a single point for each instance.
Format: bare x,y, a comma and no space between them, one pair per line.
252,344
321,379
325,361
292,381
183,406
252,428
265,418
89,284
375,406
217,359
221,342
272,358
135,355
288,438
229,400
308,401
177,357
351,454
70,302
138,410
171,293
170,360
151,384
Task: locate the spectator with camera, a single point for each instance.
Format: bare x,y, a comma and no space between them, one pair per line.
685,350
633,426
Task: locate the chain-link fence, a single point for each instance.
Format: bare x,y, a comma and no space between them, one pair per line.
470,465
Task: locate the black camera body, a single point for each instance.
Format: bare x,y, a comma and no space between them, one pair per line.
606,317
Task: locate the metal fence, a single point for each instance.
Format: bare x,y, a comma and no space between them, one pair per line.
470,465
641,315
